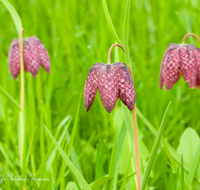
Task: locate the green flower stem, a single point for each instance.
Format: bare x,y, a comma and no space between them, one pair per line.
190,34
22,96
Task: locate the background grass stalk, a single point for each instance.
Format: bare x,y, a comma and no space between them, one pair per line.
22,97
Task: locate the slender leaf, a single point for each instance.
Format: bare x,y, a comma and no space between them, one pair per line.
117,147
176,179
182,173
99,182
73,169
172,151
154,151
99,160
126,33
83,151
109,21
194,166
7,95
14,14
72,136
146,122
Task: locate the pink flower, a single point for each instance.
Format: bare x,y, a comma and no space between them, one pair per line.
34,55
180,60
112,81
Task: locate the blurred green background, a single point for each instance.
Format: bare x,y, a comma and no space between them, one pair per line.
76,35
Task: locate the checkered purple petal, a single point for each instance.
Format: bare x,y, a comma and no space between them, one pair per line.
91,84
197,55
108,86
34,55
125,84
44,59
31,58
188,64
170,67
14,58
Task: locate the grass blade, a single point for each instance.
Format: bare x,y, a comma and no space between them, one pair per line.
146,122
76,173
7,184
72,136
99,160
176,179
109,21
172,151
126,33
154,151
99,182
88,142
7,95
14,14
182,173
129,125
116,151
194,167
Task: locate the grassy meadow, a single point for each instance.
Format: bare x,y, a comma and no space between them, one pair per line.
77,35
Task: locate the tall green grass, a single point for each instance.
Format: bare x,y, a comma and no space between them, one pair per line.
77,35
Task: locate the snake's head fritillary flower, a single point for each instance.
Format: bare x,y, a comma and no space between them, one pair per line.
34,55
180,59
112,81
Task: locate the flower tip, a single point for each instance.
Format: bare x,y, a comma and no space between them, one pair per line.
87,108
108,109
47,69
193,87
15,76
34,75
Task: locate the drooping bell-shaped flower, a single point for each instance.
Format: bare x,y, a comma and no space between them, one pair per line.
34,55
180,59
112,81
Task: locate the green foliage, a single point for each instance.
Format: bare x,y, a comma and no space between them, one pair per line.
97,145
14,14
69,163
190,148
154,151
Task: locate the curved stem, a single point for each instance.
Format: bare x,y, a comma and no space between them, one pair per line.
22,95
190,34
137,156
110,50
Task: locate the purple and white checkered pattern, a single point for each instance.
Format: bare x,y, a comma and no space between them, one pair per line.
180,60
34,55
112,81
